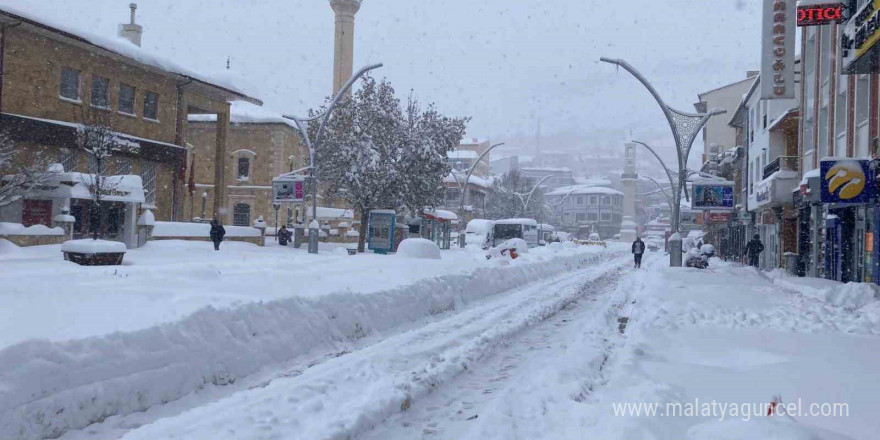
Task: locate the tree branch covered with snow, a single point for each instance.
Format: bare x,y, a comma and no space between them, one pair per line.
18,179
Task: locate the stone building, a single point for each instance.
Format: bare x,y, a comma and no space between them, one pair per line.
260,145
55,79
584,209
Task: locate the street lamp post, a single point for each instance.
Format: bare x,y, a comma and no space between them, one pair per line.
685,126
528,198
462,187
313,149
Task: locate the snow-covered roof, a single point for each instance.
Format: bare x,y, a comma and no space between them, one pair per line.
128,189
474,180
441,214
243,112
472,141
546,227
517,221
224,80
812,174
592,181
547,169
584,189
325,213
462,154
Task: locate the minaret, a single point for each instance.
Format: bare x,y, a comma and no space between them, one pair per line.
629,179
343,48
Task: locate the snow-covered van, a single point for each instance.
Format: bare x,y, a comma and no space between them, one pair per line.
479,232
524,228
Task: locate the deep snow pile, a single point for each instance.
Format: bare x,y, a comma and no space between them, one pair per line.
48,387
419,248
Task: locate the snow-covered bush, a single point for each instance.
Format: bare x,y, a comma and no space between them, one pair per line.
419,248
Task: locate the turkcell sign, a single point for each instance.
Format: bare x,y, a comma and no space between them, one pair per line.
777,49
714,196
819,14
847,181
859,40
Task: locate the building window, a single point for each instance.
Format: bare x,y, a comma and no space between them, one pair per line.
292,161
862,106
592,216
593,200
606,216
241,214
67,157
244,168
151,106
581,216
69,84
606,201
122,166
148,176
580,200
126,99
100,92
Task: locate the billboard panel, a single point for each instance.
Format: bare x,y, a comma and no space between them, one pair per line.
288,190
712,196
859,40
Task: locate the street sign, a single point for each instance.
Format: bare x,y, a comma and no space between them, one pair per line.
848,181
716,196
288,189
777,49
381,230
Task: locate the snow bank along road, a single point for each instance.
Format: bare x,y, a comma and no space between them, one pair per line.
125,379
349,395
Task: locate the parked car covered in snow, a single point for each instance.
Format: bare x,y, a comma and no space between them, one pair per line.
479,232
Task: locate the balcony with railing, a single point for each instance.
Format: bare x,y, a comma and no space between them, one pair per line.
781,163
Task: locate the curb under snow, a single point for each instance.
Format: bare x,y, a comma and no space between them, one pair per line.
48,388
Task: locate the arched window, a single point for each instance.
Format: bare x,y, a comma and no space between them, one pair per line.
244,168
243,163
292,161
241,214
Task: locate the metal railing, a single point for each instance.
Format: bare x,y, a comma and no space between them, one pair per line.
781,163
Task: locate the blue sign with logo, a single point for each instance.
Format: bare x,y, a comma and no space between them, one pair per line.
712,196
848,181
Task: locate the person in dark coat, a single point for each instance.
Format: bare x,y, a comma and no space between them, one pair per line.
638,248
217,233
284,236
753,249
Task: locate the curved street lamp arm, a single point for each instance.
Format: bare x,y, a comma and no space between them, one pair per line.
661,191
632,70
468,178
529,195
663,164
339,96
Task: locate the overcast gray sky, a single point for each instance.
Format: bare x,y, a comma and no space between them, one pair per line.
504,62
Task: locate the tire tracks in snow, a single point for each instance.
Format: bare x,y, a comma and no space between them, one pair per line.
346,396
453,410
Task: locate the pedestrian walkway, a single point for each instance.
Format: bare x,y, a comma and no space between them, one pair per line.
734,335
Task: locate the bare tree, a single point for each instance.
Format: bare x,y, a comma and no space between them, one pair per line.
97,138
16,181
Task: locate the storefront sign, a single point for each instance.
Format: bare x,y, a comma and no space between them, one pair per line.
381,231
817,15
859,40
712,196
762,193
777,49
717,217
847,181
288,189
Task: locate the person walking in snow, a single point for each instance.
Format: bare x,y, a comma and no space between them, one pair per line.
217,233
638,248
284,236
753,249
